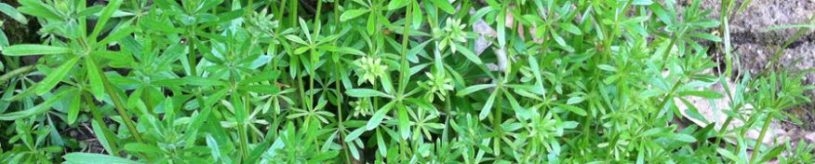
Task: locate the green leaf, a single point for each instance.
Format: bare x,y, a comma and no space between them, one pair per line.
571,28
39,109
354,134
404,122
366,93
296,39
574,109
444,5
468,53
704,94
607,67
100,135
111,7
397,4
380,143
707,36
95,78
351,14
3,43
122,31
473,88
141,148
377,118
55,77
77,158
13,13
487,106
38,8
772,153
575,100
34,49
73,108
683,137
417,15
642,2
726,153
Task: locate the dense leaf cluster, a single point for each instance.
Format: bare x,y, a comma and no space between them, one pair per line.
343,81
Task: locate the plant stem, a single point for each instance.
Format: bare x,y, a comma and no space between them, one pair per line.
403,76
16,72
117,102
759,142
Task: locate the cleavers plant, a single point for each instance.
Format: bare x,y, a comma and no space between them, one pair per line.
396,81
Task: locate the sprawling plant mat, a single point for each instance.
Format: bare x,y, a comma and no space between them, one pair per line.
385,81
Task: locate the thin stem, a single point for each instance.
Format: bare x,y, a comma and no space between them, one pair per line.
496,122
118,103
191,56
759,142
403,76
16,72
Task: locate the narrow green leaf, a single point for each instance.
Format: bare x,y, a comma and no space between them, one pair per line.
473,88
726,153
95,78
34,49
607,67
122,31
142,148
55,77
575,100
100,135
444,5
704,94
397,4
380,143
574,109
487,106
296,39
351,14
404,122
13,13
642,2
468,53
571,28
73,108
366,93
354,134
39,109
377,118
683,138
77,158
38,9
773,153
110,8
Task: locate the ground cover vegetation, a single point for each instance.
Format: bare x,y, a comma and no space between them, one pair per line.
400,81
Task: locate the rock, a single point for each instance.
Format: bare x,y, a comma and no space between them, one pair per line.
754,24
713,112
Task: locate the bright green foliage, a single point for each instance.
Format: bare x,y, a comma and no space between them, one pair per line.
285,81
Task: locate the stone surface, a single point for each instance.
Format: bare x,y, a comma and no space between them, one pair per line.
755,42
755,23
